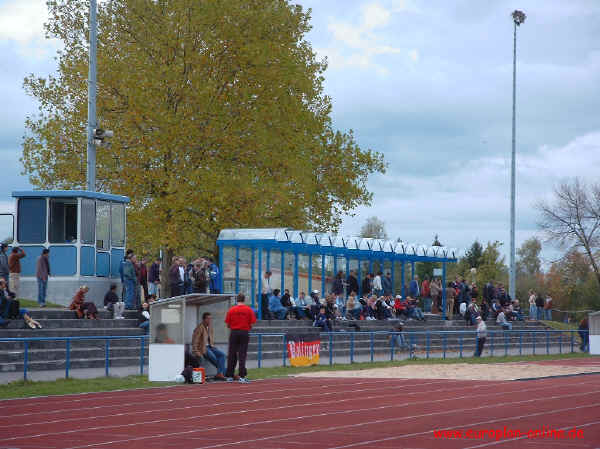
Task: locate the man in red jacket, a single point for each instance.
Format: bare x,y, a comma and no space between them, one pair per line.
239,319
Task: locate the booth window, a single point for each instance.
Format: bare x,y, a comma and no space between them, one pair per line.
88,221
118,224
31,222
102,225
63,220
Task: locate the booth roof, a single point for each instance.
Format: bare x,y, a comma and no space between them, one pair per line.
287,235
195,298
70,194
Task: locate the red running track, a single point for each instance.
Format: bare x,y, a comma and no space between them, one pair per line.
310,413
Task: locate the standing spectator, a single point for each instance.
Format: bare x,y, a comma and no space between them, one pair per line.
315,305
377,285
481,336
450,294
214,277
351,283
366,285
14,267
435,291
338,284
203,341
42,273
154,278
177,277
265,294
539,305
426,294
130,282
4,270
143,278
548,308
584,334
112,303
532,306
128,254
413,288
200,276
239,319
388,288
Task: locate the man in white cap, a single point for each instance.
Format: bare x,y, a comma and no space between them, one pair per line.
481,336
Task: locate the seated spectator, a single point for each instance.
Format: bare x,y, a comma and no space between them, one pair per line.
113,304
496,308
341,306
413,310
286,301
144,317
322,321
353,307
10,308
330,308
162,335
202,346
472,312
275,306
400,307
301,307
371,308
364,308
502,321
82,307
381,310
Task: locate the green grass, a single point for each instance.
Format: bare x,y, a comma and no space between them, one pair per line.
560,326
21,389
29,304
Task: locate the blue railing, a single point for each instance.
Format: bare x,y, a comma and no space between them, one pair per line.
68,340
497,340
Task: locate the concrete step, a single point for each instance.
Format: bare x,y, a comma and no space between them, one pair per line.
58,344
39,355
76,324
66,314
69,332
74,364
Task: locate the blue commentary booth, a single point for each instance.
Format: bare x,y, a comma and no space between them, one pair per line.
85,232
304,261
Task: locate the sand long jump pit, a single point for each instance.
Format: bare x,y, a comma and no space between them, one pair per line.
472,371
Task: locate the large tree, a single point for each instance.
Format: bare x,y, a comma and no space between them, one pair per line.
219,116
373,228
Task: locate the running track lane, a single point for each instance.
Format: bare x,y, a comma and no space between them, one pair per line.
308,413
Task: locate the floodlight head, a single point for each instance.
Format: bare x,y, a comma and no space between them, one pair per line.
518,17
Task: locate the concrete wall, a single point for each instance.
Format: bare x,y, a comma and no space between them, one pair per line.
62,290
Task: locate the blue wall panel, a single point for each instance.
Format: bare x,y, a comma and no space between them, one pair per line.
63,260
103,264
29,262
115,261
31,220
87,267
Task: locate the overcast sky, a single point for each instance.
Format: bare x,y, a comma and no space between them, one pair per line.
428,84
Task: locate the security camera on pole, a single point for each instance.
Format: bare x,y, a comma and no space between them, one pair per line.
518,19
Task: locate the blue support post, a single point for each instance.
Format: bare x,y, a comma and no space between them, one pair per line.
296,256
359,275
284,349
282,270
572,341
461,345
142,353
237,270
443,290
372,346
67,358
506,337
547,342
533,342
322,275
25,360
252,276
393,278
560,343
392,347
347,273
427,344
259,350
492,344
402,274
309,274
520,342
370,265
268,259
260,277
221,280
106,357
330,348
352,347
444,345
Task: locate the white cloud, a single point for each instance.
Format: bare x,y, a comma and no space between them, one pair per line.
414,55
22,22
469,201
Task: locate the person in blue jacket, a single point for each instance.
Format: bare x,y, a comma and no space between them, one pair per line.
322,321
214,277
275,307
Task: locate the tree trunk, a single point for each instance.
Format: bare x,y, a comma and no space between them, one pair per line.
167,256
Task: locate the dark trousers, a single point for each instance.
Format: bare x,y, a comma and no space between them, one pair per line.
480,343
238,348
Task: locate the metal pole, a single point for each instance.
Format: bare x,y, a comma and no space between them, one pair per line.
91,125
513,274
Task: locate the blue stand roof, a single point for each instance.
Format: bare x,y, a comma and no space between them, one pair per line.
70,194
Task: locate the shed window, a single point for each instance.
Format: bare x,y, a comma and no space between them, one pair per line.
63,220
102,225
88,221
31,223
118,224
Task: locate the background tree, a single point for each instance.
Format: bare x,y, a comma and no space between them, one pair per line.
529,265
373,228
474,255
572,220
426,268
219,116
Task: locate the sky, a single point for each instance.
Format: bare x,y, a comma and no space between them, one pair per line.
429,85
